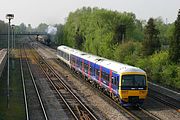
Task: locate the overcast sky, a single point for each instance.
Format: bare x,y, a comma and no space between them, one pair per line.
52,12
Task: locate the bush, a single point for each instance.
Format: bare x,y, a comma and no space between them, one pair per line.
145,64
159,61
128,52
171,76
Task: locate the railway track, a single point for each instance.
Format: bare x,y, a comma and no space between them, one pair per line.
141,113
64,94
138,113
134,113
34,106
172,102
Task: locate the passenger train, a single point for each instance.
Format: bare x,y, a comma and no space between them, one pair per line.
125,84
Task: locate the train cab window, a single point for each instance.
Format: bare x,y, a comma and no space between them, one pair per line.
133,80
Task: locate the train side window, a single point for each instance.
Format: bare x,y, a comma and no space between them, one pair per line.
86,67
60,53
97,72
92,70
113,80
80,63
63,54
68,57
117,80
105,76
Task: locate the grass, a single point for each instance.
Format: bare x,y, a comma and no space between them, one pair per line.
16,110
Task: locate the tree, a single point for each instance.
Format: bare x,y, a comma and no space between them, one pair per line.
174,50
151,42
3,38
22,27
59,34
29,28
42,27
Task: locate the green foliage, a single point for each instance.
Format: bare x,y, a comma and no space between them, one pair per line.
3,39
171,75
88,29
175,42
157,62
22,27
138,33
29,28
154,65
164,29
60,34
99,31
3,27
151,42
128,52
42,27
144,64
160,69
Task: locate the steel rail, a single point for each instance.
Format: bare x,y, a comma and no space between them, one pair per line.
35,86
66,87
129,112
24,87
169,101
66,103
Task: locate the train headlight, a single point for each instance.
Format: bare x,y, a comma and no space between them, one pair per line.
142,92
124,92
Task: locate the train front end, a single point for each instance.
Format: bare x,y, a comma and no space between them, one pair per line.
133,88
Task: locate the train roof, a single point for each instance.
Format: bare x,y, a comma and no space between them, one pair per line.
113,65
118,67
69,50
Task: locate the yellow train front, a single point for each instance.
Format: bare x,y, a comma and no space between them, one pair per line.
133,88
